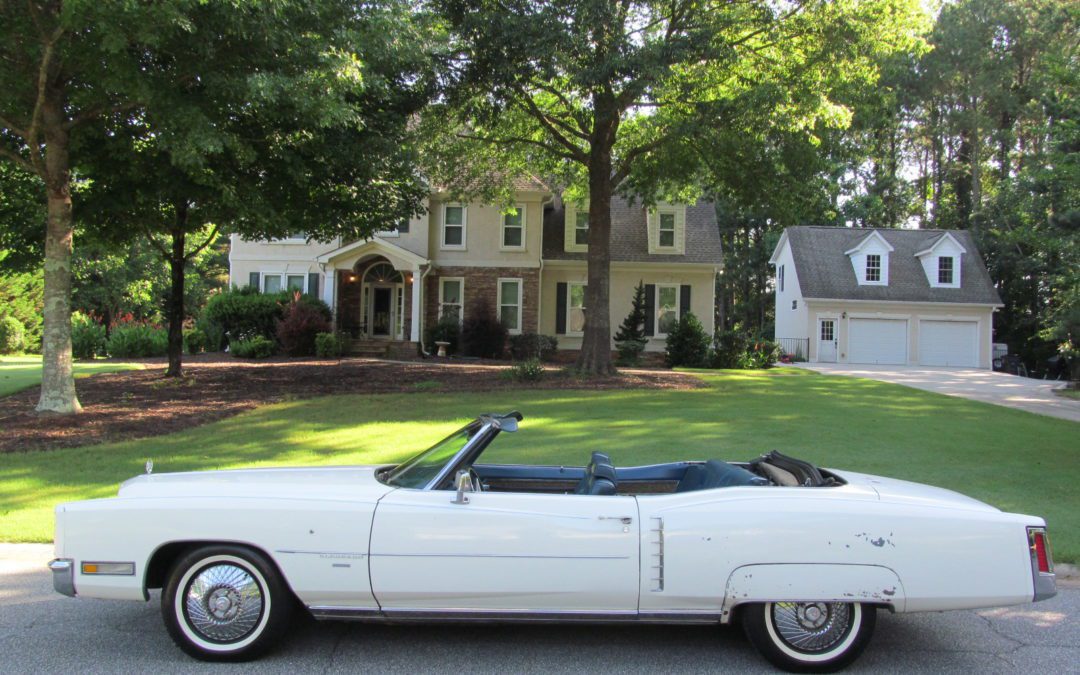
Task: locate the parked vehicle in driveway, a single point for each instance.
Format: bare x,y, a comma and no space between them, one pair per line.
803,557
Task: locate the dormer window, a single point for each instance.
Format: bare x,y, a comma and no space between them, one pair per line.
873,267
945,270
581,228
667,230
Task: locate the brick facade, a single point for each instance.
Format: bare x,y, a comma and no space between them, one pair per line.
349,310
481,286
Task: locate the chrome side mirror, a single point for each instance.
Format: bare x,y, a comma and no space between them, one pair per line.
464,484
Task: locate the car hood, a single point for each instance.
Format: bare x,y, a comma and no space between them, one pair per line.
334,482
916,494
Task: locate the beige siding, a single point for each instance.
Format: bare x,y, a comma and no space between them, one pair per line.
483,236
843,312
623,281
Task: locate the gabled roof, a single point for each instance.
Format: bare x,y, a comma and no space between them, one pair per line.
824,269
873,236
937,241
630,235
375,246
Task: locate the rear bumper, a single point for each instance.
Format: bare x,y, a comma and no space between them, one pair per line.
1045,586
63,571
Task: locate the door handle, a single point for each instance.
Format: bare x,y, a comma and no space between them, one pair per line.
625,520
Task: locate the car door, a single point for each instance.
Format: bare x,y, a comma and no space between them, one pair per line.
505,552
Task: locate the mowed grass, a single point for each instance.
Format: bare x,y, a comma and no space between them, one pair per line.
1014,460
22,372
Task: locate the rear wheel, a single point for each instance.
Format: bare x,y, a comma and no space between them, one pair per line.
225,603
809,637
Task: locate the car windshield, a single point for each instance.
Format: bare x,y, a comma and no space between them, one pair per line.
423,468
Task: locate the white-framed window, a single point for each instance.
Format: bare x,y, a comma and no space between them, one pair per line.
945,269
510,302
794,304
297,236
275,282
512,236
453,226
873,267
575,308
666,230
581,228
667,308
780,278
452,297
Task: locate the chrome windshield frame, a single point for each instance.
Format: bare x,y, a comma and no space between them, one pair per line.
479,437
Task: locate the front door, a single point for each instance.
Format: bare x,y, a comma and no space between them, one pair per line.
381,310
505,552
827,339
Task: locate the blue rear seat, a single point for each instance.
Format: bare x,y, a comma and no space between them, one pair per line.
716,474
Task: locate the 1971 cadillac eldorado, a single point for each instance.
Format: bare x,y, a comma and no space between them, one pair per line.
802,557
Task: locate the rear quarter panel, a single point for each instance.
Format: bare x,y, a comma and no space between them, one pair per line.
944,558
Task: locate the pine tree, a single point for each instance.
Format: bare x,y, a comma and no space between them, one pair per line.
630,340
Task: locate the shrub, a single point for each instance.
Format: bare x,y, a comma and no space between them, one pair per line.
630,340
447,329
330,345
136,340
530,370
255,347
482,334
731,345
687,343
533,346
22,296
297,329
243,313
194,341
213,334
87,337
763,354
12,335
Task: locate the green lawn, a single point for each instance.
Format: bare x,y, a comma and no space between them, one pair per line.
20,372
1014,460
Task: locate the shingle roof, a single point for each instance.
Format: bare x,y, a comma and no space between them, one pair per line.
630,235
824,270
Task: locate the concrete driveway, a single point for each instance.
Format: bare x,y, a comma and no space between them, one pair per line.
1022,393
42,632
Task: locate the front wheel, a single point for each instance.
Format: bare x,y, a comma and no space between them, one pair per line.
225,603
809,637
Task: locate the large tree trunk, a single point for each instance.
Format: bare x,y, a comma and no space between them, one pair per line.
595,355
175,306
57,381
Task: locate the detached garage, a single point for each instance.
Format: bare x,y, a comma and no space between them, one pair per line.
878,341
949,343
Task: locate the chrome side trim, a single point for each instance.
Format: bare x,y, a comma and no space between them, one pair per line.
323,554
499,555
658,555
464,615
63,574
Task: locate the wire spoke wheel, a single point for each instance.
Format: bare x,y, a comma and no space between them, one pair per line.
223,603
809,637
812,627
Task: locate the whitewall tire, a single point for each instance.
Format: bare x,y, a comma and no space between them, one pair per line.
809,637
225,603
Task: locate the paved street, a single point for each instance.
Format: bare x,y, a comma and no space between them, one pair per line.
42,632
1023,393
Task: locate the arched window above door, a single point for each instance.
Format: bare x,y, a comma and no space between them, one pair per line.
382,273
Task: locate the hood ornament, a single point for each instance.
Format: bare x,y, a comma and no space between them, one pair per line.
149,467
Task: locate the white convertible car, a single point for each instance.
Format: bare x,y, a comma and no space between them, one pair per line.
802,557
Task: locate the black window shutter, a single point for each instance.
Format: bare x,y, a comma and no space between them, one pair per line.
560,308
253,280
684,300
313,284
650,310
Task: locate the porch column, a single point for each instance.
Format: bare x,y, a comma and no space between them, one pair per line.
414,326
329,276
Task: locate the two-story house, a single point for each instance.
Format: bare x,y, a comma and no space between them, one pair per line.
884,296
526,263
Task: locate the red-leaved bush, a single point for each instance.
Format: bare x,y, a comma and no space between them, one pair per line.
298,326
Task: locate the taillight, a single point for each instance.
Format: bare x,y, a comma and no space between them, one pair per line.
1040,549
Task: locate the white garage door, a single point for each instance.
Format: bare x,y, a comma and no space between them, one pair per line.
880,341
949,343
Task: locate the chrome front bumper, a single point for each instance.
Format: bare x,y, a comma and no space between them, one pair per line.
63,579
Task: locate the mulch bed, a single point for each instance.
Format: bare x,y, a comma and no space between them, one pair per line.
141,403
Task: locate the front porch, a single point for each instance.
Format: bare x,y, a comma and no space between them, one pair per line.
375,295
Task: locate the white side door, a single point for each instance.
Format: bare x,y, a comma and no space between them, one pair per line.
505,552
827,338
